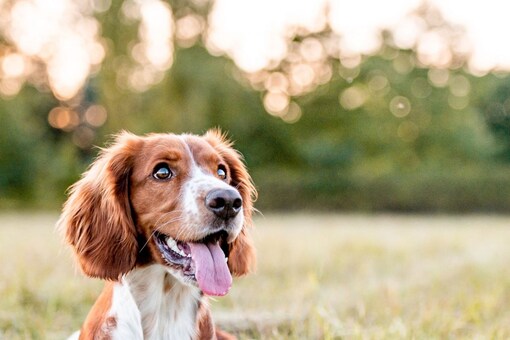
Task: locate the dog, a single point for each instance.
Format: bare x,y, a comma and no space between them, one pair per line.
165,220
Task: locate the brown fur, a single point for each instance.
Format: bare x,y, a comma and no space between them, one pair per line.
92,327
97,216
205,325
242,258
113,209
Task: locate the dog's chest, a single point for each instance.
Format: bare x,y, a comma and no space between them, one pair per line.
166,309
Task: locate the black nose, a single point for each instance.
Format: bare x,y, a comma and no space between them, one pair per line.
225,203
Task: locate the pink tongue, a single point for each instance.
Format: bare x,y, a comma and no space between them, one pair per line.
212,271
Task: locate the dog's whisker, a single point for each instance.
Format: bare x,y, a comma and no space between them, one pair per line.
157,230
165,215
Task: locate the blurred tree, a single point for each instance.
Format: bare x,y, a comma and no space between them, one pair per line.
386,131
496,108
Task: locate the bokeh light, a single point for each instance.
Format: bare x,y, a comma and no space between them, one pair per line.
83,137
95,115
302,75
458,103
13,65
433,49
285,49
293,113
459,86
403,63
438,77
188,29
378,82
60,37
400,106
276,103
276,82
81,122
63,118
353,97
153,52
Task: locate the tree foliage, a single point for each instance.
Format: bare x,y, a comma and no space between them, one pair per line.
386,134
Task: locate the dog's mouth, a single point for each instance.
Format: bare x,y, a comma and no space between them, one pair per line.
203,261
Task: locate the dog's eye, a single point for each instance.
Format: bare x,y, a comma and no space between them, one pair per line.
162,171
222,172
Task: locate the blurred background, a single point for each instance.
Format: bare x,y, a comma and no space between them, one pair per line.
366,106
349,113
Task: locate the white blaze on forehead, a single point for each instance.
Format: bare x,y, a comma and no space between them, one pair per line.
195,189
199,179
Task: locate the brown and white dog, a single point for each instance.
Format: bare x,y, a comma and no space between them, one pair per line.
164,219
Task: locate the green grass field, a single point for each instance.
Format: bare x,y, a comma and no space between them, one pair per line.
319,277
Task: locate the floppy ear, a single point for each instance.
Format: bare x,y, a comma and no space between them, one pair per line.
242,257
96,218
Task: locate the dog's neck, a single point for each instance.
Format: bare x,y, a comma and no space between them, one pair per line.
167,308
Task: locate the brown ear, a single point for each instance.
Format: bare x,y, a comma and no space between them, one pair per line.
96,218
242,257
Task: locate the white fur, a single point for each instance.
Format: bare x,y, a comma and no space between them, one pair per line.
143,310
194,191
124,309
126,313
162,315
140,304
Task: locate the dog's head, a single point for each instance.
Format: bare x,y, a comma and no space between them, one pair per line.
182,201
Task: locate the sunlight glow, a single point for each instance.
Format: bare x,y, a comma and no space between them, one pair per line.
188,30
433,49
58,44
13,65
153,52
359,22
156,33
253,33
487,27
58,33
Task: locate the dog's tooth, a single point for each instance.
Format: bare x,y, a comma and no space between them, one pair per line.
171,242
226,259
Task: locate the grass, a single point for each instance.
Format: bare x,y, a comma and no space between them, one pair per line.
319,277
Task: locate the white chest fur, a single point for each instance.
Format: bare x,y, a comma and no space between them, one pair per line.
151,304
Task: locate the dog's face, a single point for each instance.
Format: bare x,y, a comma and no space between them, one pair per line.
183,202
188,206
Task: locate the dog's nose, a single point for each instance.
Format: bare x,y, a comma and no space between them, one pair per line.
225,203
